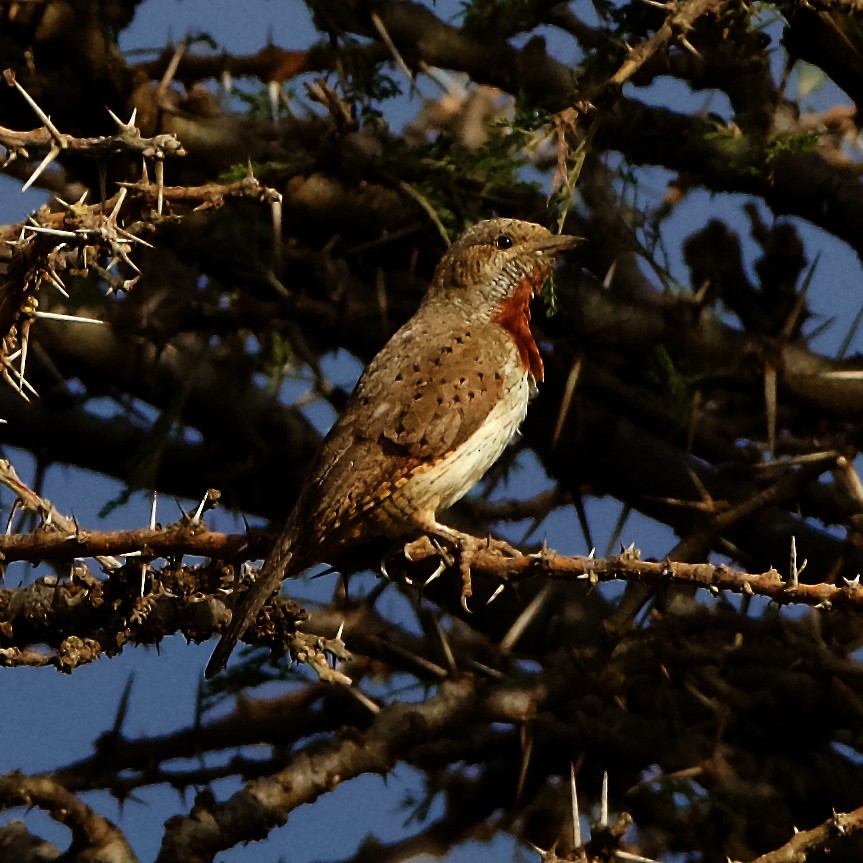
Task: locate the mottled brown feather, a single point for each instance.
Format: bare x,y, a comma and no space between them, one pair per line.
429,415
419,400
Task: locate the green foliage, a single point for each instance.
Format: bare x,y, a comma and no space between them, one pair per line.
548,295
791,146
261,170
277,355
759,16
250,670
365,85
760,162
256,104
674,382
460,184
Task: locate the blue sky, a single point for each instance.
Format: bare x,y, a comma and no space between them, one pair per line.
51,719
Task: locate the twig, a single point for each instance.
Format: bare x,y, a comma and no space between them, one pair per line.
66,527
93,834
186,539
823,837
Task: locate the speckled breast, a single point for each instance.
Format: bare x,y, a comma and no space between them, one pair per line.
434,487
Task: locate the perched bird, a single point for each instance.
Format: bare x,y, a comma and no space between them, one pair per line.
428,417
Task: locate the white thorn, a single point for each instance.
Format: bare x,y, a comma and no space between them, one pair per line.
497,592
120,124
196,518
274,91
56,316
121,196
576,820
55,231
603,805
57,282
24,383
637,858
52,154
46,120
794,571
160,185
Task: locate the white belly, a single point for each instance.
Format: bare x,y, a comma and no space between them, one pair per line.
434,488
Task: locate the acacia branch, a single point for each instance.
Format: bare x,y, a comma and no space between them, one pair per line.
127,140
173,541
680,19
265,803
93,837
824,837
60,614
720,159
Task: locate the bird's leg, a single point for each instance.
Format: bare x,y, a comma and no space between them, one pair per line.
468,547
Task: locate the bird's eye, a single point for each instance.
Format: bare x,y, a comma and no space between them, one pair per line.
504,241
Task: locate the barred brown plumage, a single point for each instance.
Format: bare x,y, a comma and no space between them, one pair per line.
429,416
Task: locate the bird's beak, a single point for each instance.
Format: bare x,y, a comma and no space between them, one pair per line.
553,245
558,243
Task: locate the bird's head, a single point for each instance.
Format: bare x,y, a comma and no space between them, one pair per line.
497,262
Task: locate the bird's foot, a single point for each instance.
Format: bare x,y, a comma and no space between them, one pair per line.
427,546
502,547
469,547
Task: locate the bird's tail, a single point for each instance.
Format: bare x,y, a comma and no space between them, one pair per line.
275,568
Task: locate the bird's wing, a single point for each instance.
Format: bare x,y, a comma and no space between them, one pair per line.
421,398
418,400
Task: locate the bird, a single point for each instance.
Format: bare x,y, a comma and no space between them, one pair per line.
428,417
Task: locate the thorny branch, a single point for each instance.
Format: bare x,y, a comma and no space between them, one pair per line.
823,837
81,237
680,19
252,812
93,837
183,592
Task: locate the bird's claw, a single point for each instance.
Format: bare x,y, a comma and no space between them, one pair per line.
468,548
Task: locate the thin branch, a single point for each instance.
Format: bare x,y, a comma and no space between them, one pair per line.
251,813
128,139
94,837
51,516
824,838
681,18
